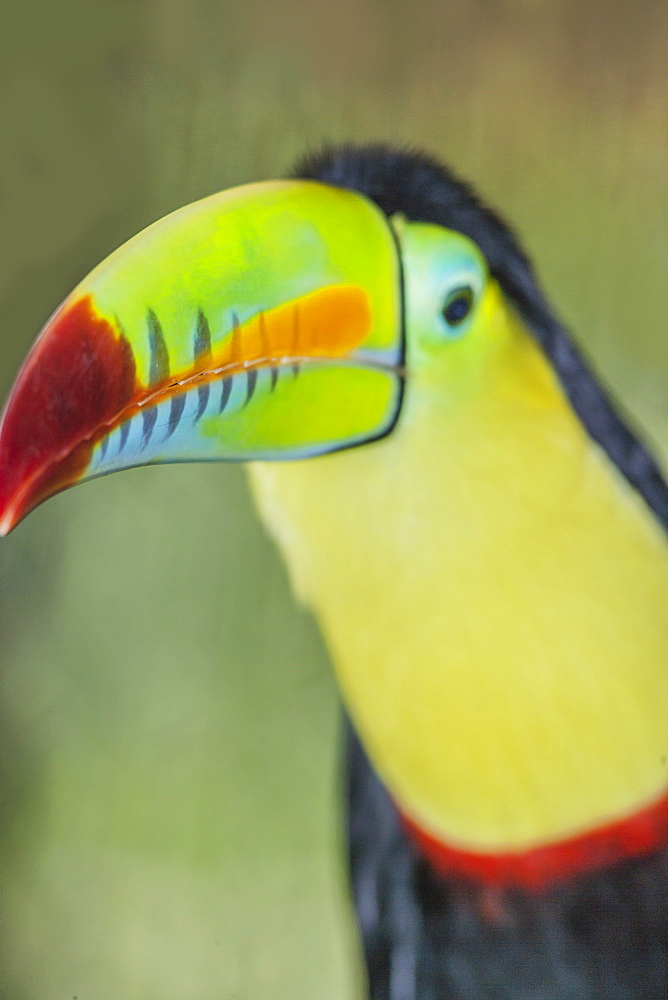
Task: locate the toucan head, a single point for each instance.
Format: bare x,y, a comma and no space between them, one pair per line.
373,307
274,321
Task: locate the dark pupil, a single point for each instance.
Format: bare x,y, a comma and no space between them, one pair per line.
458,306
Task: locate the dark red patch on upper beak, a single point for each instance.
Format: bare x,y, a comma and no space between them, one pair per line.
79,375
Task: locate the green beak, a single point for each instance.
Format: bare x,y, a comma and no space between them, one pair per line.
261,323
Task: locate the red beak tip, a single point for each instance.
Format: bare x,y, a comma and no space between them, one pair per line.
6,524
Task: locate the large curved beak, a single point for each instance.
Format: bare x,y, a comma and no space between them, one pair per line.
261,323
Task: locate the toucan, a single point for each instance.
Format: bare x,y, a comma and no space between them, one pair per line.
481,537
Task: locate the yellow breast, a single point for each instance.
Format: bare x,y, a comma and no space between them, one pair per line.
495,598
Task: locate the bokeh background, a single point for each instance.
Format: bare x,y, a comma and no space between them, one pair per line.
170,825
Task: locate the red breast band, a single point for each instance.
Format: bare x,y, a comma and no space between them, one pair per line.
540,868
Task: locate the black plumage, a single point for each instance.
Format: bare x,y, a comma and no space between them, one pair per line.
603,936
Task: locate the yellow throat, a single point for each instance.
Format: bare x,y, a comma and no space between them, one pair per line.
493,592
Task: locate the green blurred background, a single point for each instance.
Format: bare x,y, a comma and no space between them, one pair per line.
170,802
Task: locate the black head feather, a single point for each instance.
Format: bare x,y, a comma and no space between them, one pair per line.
423,190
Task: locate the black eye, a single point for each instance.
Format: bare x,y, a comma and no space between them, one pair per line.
458,305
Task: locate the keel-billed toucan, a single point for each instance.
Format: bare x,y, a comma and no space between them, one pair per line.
481,538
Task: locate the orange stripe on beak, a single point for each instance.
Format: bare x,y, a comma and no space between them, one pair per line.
328,323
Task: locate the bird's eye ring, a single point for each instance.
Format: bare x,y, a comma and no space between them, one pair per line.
458,305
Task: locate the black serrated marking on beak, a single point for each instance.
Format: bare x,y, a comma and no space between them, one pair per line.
159,367
149,417
264,349
225,394
203,356
203,394
124,434
251,382
202,342
176,408
235,340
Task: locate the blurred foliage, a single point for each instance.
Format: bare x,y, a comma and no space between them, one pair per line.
170,798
